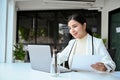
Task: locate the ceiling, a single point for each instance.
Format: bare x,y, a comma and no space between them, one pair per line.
59,4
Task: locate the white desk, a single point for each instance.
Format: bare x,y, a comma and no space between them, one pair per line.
23,71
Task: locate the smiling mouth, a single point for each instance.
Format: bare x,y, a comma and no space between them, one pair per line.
74,34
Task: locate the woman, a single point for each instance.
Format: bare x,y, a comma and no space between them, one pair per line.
85,44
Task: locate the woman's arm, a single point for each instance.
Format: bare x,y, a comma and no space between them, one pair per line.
63,56
107,64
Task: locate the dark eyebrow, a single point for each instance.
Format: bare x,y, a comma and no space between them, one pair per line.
74,25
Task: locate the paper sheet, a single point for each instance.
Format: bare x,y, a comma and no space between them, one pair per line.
84,62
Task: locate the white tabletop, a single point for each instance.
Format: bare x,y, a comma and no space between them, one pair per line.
23,71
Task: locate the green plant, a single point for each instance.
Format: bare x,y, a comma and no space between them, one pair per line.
19,53
24,32
42,32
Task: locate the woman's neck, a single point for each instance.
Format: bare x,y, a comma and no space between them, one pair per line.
83,36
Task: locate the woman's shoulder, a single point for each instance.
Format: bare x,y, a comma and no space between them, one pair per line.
72,40
95,38
97,41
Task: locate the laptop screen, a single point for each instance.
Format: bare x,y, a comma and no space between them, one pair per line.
40,57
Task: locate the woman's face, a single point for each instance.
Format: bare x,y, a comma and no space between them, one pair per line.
76,29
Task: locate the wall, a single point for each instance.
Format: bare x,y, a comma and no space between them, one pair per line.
109,6
10,28
7,24
3,24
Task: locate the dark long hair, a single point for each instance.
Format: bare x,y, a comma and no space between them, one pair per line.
81,19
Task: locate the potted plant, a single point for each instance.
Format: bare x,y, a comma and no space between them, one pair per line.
19,53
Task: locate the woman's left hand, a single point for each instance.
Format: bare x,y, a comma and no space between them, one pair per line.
99,66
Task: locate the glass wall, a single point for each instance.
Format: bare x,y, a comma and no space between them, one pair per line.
50,27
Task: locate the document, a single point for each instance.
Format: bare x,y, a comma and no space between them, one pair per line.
84,62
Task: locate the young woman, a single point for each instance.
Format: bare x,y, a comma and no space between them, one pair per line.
85,44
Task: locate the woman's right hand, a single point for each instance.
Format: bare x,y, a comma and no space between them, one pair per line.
99,66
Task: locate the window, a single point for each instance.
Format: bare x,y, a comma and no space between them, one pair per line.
50,26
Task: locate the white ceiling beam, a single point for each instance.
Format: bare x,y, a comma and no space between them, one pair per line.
42,5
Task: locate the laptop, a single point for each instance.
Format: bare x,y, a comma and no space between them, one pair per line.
40,58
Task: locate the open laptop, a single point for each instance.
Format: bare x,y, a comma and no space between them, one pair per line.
40,58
